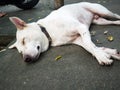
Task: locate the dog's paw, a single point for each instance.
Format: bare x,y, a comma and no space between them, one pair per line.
103,57
105,62
112,52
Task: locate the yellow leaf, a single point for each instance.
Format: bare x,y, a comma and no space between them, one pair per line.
110,38
58,58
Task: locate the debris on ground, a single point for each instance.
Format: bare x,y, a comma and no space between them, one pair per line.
105,32
93,33
98,41
109,37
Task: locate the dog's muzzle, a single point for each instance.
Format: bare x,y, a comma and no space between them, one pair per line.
28,58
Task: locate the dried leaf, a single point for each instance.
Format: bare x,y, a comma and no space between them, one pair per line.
93,33
58,58
110,38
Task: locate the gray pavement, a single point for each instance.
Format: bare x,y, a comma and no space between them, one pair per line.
75,70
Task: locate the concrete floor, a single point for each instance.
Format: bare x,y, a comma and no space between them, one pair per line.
75,70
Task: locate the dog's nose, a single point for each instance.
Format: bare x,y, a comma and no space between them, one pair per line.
27,58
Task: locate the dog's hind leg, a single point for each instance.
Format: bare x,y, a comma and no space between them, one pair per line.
100,10
103,21
103,56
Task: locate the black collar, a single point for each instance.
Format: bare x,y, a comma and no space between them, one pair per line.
43,29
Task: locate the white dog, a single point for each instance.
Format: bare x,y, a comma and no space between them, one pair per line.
67,25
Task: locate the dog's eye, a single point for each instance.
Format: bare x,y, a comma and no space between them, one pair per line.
23,41
38,47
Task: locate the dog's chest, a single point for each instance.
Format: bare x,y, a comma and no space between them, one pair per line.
64,38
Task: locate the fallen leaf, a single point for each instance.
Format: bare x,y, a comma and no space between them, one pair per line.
58,58
110,38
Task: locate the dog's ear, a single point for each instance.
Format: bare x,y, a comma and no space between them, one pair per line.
20,24
12,46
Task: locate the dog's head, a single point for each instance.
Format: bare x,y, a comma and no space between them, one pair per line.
30,40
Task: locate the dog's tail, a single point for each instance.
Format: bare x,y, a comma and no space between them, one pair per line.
100,10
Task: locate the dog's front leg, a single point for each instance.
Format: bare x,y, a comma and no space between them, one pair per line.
85,41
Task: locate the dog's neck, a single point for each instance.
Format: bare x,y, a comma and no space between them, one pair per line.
43,29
